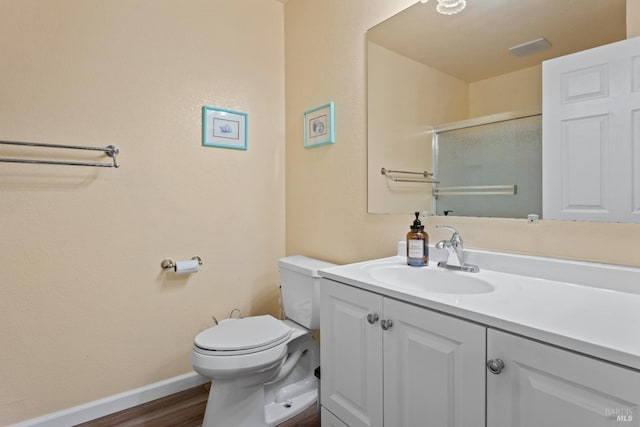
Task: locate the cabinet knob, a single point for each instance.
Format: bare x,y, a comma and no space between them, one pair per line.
372,318
386,324
495,366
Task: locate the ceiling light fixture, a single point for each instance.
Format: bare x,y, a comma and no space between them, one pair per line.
449,7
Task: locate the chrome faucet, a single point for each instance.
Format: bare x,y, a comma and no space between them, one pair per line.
455,254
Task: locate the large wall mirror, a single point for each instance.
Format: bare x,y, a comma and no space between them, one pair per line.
446,96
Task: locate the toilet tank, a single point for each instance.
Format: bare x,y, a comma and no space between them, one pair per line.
300,287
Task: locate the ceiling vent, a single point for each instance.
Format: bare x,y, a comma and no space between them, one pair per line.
530,47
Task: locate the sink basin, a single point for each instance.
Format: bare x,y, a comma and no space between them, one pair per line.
430,279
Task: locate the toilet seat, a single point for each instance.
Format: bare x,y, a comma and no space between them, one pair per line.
242,336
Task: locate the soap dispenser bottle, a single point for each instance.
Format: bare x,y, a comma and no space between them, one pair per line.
417,244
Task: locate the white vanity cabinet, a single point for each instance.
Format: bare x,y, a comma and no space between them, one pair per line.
390,363
350,354
541,385
327,419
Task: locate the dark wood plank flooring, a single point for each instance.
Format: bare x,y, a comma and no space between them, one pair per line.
184,409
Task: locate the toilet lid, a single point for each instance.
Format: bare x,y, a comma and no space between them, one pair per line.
248,333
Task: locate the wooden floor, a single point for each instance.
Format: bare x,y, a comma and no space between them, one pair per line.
184,409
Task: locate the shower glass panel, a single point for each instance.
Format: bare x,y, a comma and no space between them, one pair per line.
503,157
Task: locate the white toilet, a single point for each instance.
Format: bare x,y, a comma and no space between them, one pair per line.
262,368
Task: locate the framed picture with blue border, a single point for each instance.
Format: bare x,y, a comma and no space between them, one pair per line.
319,126
224,128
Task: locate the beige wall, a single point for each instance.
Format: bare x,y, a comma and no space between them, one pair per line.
327,187
517,91
633,18
86,310
403,97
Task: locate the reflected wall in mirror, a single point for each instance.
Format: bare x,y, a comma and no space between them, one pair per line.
426,69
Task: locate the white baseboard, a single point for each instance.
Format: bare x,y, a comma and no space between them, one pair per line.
118,402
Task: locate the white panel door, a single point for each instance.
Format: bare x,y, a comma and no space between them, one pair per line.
351,354
433,369
584,173
591,139
543,386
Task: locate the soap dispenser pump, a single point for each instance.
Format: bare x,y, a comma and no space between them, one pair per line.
417,244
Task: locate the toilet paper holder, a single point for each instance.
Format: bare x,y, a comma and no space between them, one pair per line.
169,264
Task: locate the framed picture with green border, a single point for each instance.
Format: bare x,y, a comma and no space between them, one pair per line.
224,128
319,126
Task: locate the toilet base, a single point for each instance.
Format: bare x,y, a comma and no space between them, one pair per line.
276,413
230,405
297,391
271,399
245,407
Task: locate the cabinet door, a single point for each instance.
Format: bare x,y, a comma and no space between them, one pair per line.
541,385
433,369
591,134
351,354
327,419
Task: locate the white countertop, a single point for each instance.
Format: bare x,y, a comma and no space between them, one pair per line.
600,321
